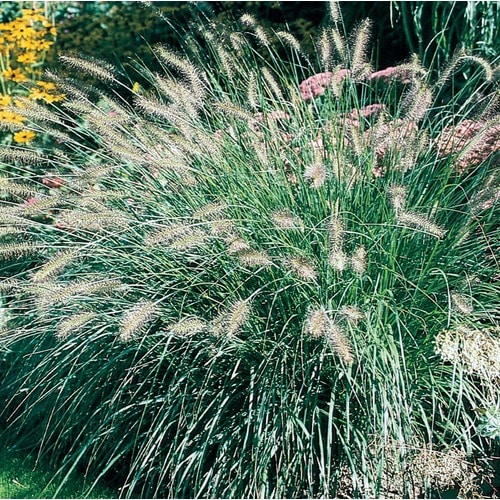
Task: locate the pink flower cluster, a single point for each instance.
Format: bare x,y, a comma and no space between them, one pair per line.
464,137
391,73
316,85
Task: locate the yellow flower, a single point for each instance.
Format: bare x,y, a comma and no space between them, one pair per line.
33,15
5,100
46,85
27,44
27,58
136,87
16,75
10,117
42,44
23,33
53,31
24,136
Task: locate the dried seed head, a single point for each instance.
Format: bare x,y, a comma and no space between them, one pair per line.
416,102
397,196
210,211
237,245
359,53
316,174
340,343
358,260
317,323
461,303
230,322
288,39
254,258
335,234
193,238
422,222
17,250
284,219
302,267
273,84
75,322
54,266
91,66
338,260
134,320
92,221
477,351
187,326
325,50
352,314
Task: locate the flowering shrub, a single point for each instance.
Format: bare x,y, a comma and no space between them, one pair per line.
235,290
24,44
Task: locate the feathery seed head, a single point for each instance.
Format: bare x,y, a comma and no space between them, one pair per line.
187,326
210,211
237,245
335,233
338,260
317,323
422,222
17,250
477,351
230,321
285,219
340,343
416,102
54,266
288,39
91,66
75,322
359,53
325,50
136,319
358,260
273,84
167,234
316,173
92,221
397,196
461,303
352,314
302,267
80,288
254,258
193,238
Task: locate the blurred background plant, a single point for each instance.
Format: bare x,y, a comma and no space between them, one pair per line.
26,39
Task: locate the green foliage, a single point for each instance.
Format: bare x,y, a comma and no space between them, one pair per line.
22,477
242,287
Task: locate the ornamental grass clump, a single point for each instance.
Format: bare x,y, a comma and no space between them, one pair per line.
240,291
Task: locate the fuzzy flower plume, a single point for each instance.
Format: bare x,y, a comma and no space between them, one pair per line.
340,344
230,321
75,322
478,351
317,323
187,326
134,320
316,173
421,222
302,267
